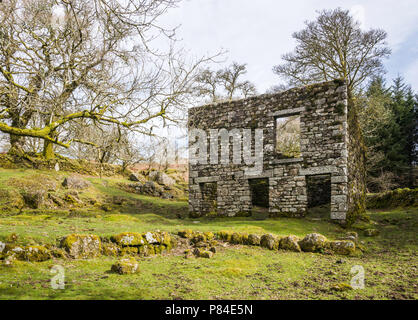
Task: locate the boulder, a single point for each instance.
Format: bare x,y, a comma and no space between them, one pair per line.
203,253
269,241
290,243
125,266
225,235
82,246
313,242
161,178
253,240
129,239
343,247
75,182
239,238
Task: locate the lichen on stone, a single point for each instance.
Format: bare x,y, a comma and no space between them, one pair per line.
290,243
125,266
313,242
269,241
82,246
343,247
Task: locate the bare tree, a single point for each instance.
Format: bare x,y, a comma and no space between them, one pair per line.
224,84
334,47
66,60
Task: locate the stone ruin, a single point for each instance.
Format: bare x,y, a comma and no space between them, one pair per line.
325,166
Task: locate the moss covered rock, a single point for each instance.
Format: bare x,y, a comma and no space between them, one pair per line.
36,254
351,235
29,253
225,235
82,246
129,251
269,241
129,239
313,242
237,238
290,243
187,234
253,239
203,253
110,249
343,247
125,266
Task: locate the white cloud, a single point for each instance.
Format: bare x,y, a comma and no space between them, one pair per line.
260,32
359,14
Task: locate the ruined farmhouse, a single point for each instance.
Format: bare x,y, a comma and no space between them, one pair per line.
312,154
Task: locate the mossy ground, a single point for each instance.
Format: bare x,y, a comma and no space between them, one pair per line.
235,271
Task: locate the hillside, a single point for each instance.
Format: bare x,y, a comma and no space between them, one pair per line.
105,207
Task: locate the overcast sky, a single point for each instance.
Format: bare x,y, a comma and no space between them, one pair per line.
258,32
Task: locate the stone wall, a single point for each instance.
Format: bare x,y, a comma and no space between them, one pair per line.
323,142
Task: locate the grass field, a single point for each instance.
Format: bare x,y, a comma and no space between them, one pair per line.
235,272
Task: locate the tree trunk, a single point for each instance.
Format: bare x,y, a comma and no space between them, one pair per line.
16,144
48,152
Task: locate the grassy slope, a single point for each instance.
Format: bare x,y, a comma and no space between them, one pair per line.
235,272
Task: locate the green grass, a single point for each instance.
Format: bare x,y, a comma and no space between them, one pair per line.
235,272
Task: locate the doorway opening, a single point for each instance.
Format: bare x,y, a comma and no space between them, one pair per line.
209,192
318,189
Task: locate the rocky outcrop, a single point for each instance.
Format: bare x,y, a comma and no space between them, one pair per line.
161,178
